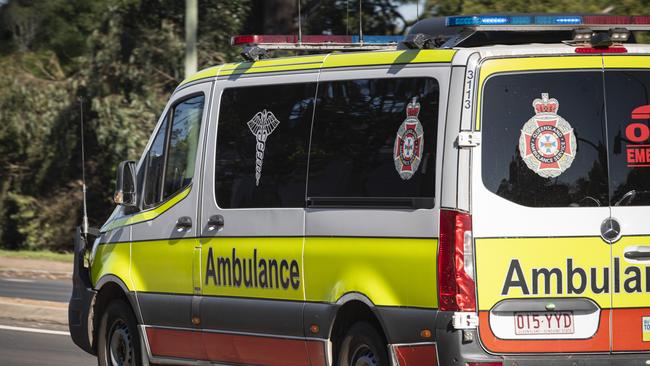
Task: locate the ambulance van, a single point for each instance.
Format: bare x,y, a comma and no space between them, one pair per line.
476,195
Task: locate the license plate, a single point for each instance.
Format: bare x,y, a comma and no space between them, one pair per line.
556,322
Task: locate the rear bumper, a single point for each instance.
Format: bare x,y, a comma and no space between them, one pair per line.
454,350
79,308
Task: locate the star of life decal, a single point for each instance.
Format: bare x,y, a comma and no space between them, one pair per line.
547,143
409,142
261,125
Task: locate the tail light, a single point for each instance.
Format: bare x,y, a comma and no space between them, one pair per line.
456,288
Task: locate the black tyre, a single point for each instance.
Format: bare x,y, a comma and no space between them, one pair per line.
362,346
118,342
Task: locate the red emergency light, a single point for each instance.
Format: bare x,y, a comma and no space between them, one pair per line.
316,41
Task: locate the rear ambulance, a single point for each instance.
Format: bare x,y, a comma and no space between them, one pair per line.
560,196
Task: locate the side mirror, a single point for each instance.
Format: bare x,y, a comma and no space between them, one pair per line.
125,185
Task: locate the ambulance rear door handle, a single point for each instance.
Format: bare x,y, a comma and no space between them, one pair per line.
183,224
638,253
215,223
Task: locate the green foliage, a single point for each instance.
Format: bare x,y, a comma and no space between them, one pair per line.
123,58
456,7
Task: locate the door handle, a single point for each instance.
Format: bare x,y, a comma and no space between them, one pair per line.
215,223
638,252
183,224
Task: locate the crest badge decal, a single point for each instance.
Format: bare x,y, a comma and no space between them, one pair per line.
547,143
409,142
261,125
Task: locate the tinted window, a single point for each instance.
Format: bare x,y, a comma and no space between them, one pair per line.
628,123
172,154
363,144
183,143
539,163
154,163
262,143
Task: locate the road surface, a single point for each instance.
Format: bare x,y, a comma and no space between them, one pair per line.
19,348
50,290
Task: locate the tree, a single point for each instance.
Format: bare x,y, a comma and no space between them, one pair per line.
456,7
123,58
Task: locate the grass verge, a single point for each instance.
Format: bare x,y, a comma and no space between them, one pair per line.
40,254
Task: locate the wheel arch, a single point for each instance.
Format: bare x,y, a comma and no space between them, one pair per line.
353,307
110,287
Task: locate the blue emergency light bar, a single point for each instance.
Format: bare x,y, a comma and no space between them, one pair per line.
474,21
547,20
378,39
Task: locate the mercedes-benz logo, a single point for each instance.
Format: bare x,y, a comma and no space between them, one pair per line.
610,230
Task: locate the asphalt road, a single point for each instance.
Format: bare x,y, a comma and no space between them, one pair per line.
50,290
19,348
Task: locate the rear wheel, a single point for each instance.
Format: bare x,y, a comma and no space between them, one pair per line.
362,346
118,343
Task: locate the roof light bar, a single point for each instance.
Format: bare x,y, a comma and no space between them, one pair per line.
630,22
315,42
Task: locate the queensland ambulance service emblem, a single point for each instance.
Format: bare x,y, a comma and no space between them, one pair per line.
409,142
261,125
547,143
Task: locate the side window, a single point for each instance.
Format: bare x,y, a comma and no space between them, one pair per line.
262,143
628,123
544,139
154,164
374,140
183,143
170,162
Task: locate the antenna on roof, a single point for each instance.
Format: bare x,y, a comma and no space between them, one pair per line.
299,24
347,17
360,22
84,220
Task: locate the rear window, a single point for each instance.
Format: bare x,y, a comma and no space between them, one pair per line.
374,142
628,123
544,140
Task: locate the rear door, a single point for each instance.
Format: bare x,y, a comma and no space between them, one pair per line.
539,197
627,85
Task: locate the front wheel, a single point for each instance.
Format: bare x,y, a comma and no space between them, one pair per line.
362,346
118,343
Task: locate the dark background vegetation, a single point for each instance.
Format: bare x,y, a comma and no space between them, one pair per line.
124,58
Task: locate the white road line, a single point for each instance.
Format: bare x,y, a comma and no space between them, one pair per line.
16,280
34,330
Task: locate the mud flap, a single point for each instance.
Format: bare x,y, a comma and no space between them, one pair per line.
82,298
